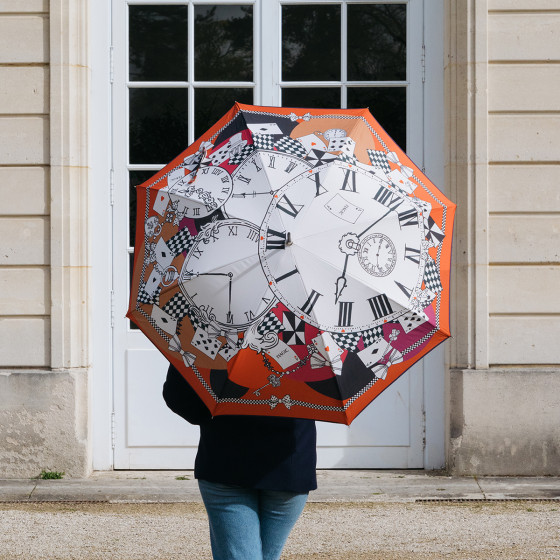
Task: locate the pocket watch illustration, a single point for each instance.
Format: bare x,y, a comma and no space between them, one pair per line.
222,276
199,195
377,255
342,249
257,178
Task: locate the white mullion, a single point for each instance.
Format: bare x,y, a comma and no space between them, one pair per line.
343,54
185,85
190,74
145,166
223,2
157,2
223,84
169,85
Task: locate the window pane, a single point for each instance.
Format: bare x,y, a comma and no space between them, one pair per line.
158,124
211,104
313,98
158,43
387,105
135,178
377,42
311,42
223,43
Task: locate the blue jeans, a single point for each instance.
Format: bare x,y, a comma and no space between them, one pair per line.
249,524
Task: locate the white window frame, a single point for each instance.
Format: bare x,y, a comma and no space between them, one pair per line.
428,107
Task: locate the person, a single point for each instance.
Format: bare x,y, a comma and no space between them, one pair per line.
254,474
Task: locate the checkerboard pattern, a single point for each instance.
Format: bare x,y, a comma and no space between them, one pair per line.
431,277
291,146
270,323
177,306
372,335
347,159
145,297
242,155
263,141
348,341
379,160
180,242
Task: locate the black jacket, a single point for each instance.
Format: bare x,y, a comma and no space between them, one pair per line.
267,453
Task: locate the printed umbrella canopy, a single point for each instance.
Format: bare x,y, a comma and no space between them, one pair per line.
292,262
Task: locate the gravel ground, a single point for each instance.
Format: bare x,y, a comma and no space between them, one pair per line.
326,531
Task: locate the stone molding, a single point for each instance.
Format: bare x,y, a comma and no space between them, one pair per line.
70,177
466,170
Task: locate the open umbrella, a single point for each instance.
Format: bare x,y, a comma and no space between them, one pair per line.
292,262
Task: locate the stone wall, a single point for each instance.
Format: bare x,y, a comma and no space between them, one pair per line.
44,273
24,184
503,161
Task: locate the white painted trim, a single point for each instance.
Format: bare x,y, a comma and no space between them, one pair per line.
100,217
434,158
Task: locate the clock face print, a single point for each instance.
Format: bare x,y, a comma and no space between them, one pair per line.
198,197
342,248
222,277
377,255
256,180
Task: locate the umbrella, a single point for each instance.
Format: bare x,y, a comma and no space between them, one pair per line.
292,262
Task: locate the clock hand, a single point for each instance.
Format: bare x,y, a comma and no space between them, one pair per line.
250,194
376,221
229,316
341,282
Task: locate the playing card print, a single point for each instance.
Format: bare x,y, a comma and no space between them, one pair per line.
206,343
164,321
409,321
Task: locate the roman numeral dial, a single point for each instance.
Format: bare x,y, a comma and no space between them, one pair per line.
344,249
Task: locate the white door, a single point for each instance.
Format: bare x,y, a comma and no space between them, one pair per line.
177,67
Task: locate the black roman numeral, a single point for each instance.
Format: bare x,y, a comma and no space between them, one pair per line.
349,173
288,207
412,254
254,162
290,168
232,230
380,306
388,198
287,275
319,188
243,178
311,301
408,218
252,235
271,161
345,313
406,291
275,239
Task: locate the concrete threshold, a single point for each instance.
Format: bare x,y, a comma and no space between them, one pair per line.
334,486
